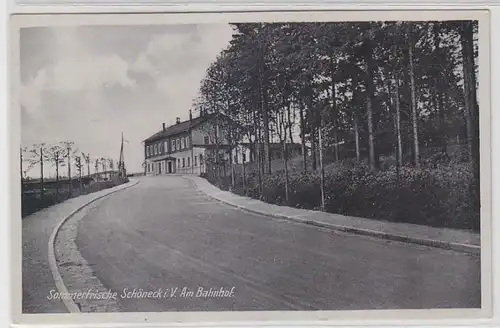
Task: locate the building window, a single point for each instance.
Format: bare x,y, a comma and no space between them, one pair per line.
195,161
183,162
160,148
207,140
156,149
178,144
183,143
173,145
165,147
189,161
147,151
178,162
149,168
187,142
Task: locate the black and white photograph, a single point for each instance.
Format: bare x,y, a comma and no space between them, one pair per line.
240,165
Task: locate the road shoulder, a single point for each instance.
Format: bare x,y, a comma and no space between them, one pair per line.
38,265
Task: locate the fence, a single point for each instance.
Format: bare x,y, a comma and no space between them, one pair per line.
34,198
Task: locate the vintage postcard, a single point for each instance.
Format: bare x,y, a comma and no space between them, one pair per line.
247,166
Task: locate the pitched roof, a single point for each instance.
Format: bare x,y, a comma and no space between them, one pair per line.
274,144
177,128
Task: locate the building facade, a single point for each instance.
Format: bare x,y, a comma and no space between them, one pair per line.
183,147
189,147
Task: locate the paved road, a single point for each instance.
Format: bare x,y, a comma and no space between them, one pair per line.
163,233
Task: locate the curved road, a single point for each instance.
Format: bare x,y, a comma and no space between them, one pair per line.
163,233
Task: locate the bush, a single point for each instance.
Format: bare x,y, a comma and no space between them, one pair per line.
442,195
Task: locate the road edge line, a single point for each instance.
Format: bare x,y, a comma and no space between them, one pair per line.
459,247
58,281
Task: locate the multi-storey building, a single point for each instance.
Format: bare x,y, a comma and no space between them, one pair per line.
183,147
186,147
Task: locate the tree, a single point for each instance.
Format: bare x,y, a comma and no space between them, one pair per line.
68,146
414,108
79,167
38,157
466,29
55,155
96,168
104,162
86,158
379,88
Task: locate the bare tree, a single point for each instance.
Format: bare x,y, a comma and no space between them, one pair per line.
38,157
86,158
111,164
68,146
55,155
96,168
103,162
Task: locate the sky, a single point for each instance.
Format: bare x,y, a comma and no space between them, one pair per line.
88,84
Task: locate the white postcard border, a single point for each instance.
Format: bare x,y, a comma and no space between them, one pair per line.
262,317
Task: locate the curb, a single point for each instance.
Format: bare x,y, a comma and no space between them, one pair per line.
459,247
61,287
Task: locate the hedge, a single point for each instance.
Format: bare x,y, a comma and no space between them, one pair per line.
443,195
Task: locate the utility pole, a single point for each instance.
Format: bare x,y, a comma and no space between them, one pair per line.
121,161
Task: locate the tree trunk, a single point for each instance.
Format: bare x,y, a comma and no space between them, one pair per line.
471,106
265,121
313,147
371,143
322,168
356,136
336,147
42,192
439,94
413,99
398,124
244,178
289,113
70,192
334,107
57,176
267,151
369,105
216,133
303,137
313,131
258,155
231,160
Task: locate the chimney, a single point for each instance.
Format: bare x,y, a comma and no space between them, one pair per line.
177,120
163,126
190,115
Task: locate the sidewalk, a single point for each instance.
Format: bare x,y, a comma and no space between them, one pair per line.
445,238
37,276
